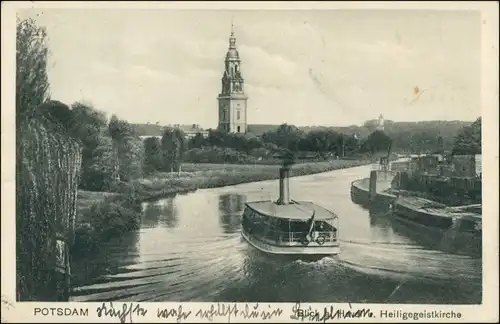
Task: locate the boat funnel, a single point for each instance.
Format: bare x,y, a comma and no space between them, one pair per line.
284,186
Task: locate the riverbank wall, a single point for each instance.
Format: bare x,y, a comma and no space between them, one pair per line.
360,190
101,216
463,219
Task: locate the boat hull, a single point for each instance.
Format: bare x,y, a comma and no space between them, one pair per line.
442,218
298,251
420,217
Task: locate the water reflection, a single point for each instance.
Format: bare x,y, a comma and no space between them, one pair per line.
231,203
231,206
163,212
169,215
152,214
95,273
380,217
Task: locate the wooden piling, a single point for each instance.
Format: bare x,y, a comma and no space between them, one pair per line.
372,192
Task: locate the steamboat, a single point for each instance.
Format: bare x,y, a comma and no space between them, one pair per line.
288,227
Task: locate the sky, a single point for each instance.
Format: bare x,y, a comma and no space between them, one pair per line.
317,67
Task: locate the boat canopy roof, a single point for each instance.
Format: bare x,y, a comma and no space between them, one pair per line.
296,210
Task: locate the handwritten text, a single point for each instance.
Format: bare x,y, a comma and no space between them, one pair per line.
107,309
328,313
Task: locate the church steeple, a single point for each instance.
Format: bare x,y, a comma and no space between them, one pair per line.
232,52
232,81
232,99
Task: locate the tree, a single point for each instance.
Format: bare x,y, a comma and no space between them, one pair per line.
378,141
271,147
168,147
252,143
351,144
235,141
100,168
321,140
32,85
440,145
173,146
181,148
288,158
89,130
59,116
286,136
468,139
90,121
216,138
128,147
152,155
197,141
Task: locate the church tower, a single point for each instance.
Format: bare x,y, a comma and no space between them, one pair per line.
232,99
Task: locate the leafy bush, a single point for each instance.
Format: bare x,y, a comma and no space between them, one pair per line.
110,218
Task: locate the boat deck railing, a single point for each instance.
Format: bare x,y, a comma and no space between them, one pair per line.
283,238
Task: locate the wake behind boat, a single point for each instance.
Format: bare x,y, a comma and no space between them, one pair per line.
288,227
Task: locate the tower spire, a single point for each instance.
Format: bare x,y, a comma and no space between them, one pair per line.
232,38
232,98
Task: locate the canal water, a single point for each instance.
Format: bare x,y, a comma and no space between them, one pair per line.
189,248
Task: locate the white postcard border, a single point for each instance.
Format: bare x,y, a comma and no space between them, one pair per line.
486,312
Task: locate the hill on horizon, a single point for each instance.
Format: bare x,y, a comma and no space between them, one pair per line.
445,128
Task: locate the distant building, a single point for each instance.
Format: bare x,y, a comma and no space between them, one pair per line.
192,130
189,130
380,123
232,100
427,164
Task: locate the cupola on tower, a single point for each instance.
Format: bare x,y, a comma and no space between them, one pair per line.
232,99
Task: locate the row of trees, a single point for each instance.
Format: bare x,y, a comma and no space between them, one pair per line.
424,136
418,138
291,138
408,137
112,150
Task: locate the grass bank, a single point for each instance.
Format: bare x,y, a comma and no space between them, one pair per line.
102,215
201,176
